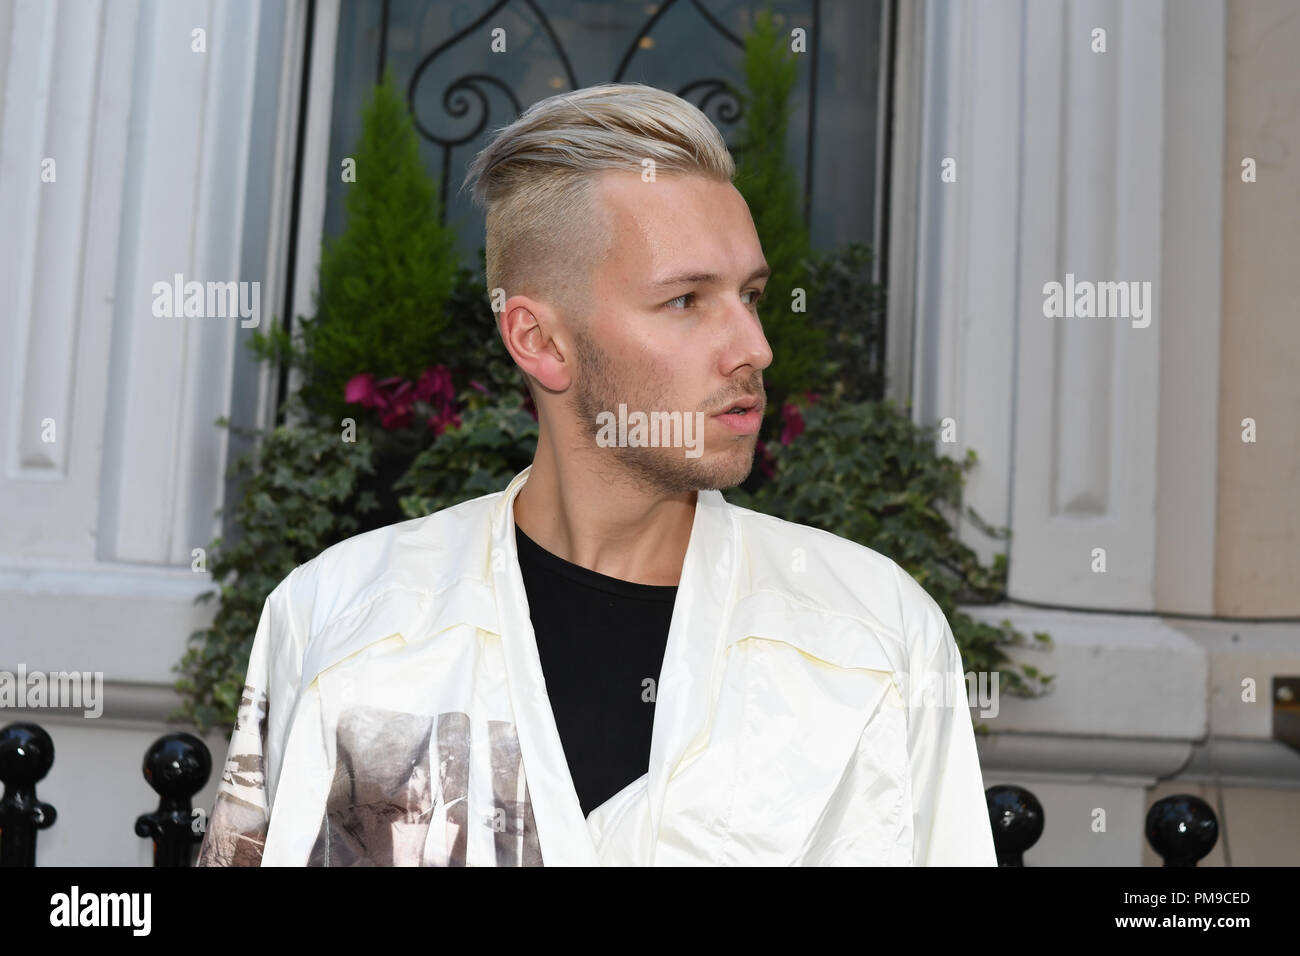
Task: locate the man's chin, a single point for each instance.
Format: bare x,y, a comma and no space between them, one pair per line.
727,476
678,475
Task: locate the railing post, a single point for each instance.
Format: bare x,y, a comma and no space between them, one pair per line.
1182,829
26,756
1017,820
177,766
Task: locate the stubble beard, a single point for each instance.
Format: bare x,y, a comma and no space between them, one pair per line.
599,387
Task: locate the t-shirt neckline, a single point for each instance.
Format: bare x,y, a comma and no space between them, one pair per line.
587,577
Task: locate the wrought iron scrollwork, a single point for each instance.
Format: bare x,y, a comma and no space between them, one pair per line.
455,98
468,95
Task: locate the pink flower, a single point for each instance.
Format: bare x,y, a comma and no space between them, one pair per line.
397,403
478,388
436,383
393,397
360,388
765,462
396,399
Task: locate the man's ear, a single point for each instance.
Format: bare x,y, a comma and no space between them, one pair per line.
535,339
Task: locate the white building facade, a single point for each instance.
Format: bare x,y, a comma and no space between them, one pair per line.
191,138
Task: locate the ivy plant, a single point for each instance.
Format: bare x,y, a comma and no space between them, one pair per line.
303,493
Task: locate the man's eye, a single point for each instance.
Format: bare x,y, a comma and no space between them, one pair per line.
756,293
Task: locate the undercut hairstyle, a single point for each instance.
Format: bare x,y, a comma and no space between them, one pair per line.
536,179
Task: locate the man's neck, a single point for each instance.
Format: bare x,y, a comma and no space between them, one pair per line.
622,532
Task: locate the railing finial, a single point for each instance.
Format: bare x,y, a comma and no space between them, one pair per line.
177,766
26,756
1182,829
1017,820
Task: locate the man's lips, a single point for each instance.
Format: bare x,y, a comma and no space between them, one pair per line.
742,423
745,404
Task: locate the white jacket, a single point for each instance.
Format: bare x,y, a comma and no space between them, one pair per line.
395,711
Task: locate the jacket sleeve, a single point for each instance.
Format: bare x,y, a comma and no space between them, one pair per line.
950,816
240,818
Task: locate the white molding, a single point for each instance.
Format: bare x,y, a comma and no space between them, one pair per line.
1028,759
939,229
152,141
1144,698
126,705
132,624
55,118
1239,762
63,92
154,145
1025,758
160,399
966,259
1191,279
1090,433
218,237
1116,675
104,580
1087,409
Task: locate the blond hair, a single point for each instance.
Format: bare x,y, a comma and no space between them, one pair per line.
535,179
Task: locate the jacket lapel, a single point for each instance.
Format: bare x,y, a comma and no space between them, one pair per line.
684,690
695,644
561,827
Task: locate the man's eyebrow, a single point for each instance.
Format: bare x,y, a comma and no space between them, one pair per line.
693,278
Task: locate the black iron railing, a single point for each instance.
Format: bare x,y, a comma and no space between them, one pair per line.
177,766
1182,829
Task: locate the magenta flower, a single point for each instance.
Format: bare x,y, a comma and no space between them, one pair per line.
360,388
436,383
432,395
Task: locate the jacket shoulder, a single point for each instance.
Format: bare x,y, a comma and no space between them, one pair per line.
421,554
840,576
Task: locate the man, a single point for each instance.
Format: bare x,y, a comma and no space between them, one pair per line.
606,663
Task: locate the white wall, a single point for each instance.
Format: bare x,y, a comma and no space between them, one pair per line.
167,161
1091,433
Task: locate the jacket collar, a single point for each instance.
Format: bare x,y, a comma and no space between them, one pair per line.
683,692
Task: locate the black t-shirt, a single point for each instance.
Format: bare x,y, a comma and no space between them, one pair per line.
601,641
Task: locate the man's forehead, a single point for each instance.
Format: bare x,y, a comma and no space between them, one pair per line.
658,233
